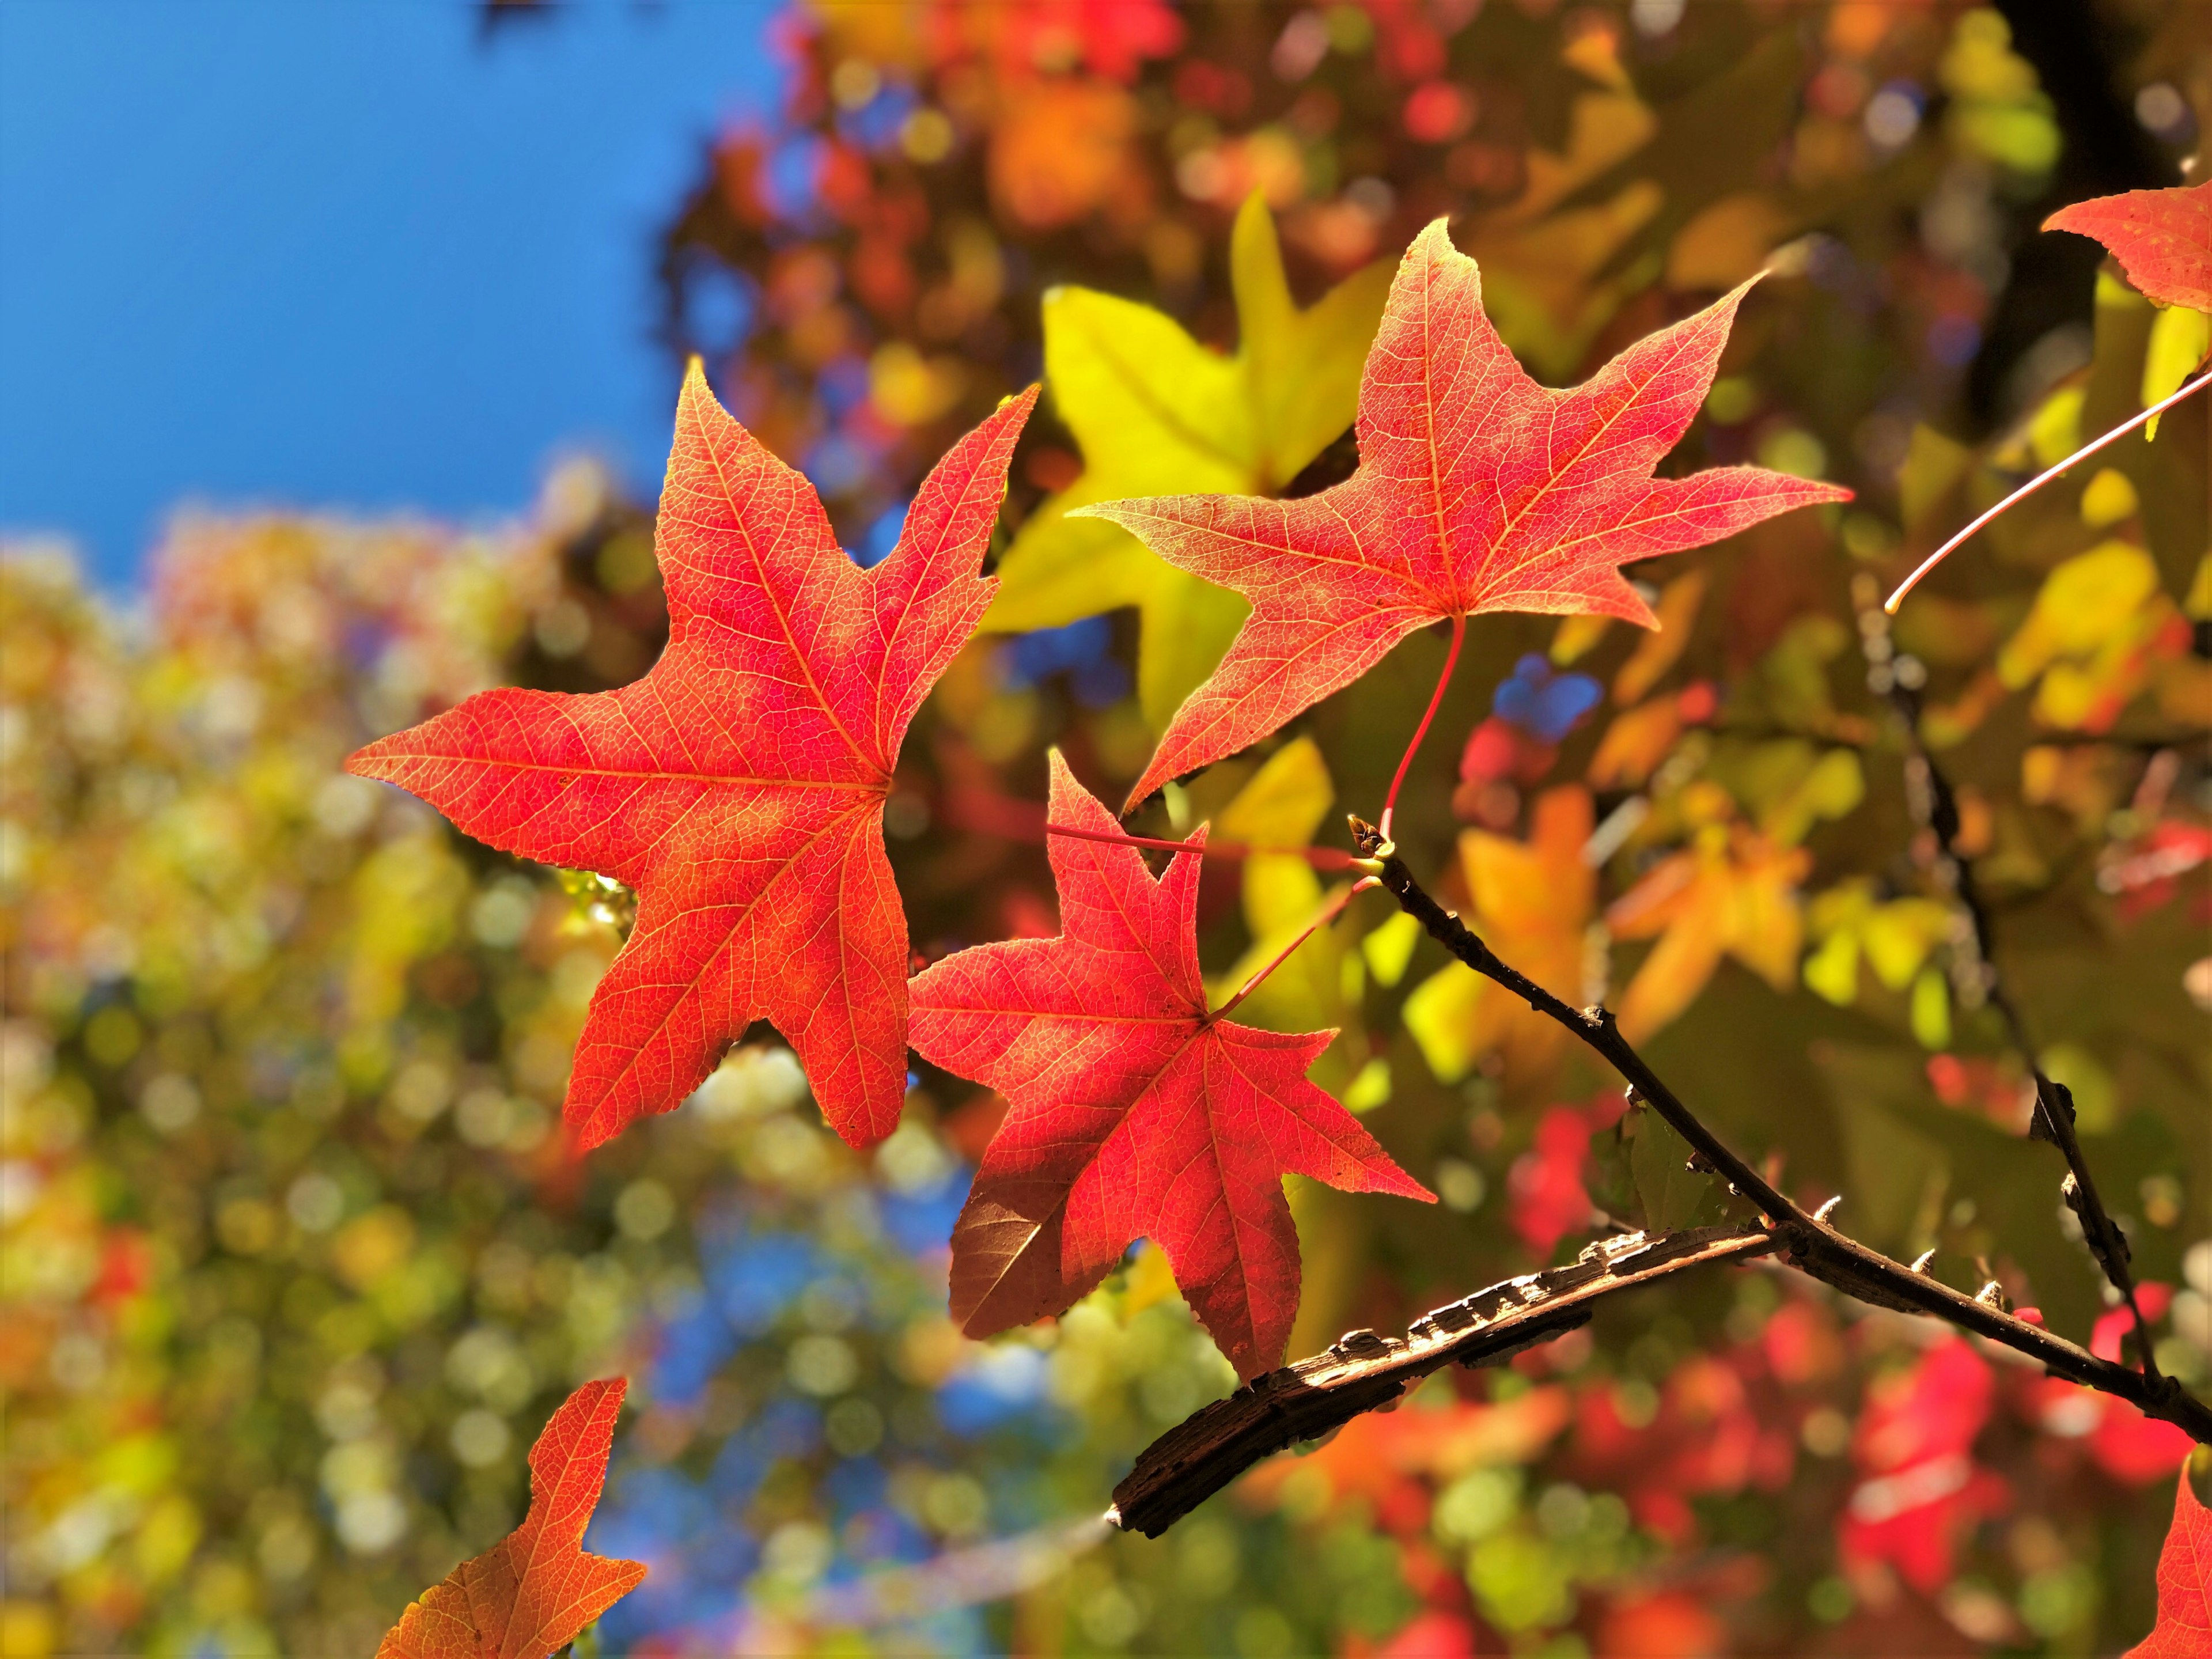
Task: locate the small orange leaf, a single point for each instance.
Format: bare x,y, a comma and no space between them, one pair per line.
529,1594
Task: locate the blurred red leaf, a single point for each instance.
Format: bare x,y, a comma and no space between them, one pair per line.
1545,1181
2184,1630
1134,1111
1435,1634
1478,490
533,1590
1669,1625
2162,239
1920,1486
739,786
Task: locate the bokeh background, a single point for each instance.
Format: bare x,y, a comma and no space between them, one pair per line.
339,344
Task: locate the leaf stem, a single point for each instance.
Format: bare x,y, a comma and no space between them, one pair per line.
2037,483
1328,912
1436,700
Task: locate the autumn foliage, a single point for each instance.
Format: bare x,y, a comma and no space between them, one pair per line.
530,1594
1385,351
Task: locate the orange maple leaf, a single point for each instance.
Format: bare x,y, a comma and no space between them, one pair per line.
1734,894
1532,902
531,1593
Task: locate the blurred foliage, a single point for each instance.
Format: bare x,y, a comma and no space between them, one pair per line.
297,1265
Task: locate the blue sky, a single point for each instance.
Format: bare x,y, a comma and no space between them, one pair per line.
340,254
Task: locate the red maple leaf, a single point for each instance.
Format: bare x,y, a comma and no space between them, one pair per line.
2184,1630
2162,239
533,1590
739,785
1478,490
1132,1110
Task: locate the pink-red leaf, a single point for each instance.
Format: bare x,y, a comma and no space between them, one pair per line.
1478,490
2184,1630
739,786
533,1590
2162,239
1134,1112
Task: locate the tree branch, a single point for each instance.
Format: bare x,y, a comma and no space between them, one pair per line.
1363,1372
1810,1244
1935,807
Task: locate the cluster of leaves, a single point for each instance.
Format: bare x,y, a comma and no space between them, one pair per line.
1735,788
298,1261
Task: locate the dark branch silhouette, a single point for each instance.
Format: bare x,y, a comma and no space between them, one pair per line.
1363,1372
1935,807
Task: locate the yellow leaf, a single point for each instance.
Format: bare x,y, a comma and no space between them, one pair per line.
1540,270
2083,602
1659,650
1931,1011
1150,1279
1389,950
1835,785
1738,897
1634,745
1155,413
1726,242
1933,463
1900,935
1832,972
2055,431
2179,340
1532,901
1577,637
1283,802
2109,499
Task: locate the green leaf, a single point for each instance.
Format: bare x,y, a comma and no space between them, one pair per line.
1155,413
1671,1193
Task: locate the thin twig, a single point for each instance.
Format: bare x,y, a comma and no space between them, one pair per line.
2197,384
1935,807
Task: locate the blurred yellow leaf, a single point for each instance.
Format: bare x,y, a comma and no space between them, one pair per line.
908,389
1577,637
1727,241
2086,635
1659,650
1155,413
1933,464
1532,902
1320,984
1389,950
1730,895
2180,339
1283,802
2109,499
1540,270
1634,745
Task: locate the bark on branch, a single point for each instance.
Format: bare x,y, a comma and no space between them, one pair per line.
1363,1371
